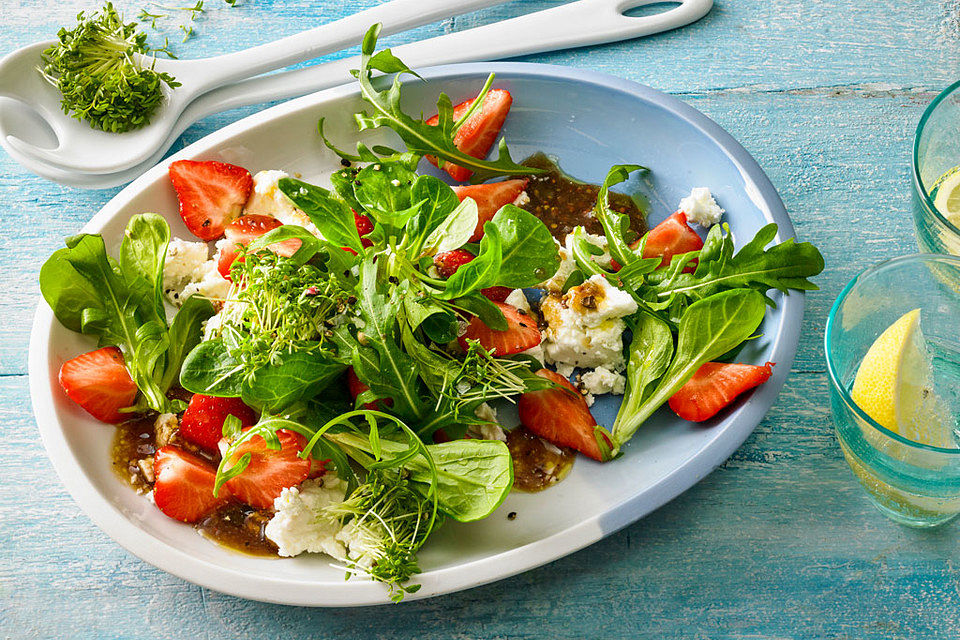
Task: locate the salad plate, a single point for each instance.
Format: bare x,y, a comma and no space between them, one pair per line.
588,122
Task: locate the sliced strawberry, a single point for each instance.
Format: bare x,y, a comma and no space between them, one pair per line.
479,132
270,471
560,416
245,230
714,386
497,294
521,334
184,485
671,237
356,387
317,467
99,382
202,422
447,262
364,226
490,198
211,194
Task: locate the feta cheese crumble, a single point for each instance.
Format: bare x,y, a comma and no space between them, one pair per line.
568,264
700,207
187,271
602,380
267,199
489,431
300,523
585,326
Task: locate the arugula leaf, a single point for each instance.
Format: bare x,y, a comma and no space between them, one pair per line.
529,252
419,137
783,266
616,226
377,359
333,217
708,328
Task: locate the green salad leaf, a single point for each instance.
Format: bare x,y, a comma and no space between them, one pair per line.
708,329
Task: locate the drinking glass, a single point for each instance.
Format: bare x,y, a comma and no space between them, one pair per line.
936,152
913,483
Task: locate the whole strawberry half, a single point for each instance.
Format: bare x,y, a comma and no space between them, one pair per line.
183,489
99,382
211,194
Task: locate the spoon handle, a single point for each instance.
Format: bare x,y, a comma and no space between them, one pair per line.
576,24
396,16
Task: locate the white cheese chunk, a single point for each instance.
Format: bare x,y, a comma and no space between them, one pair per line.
188,271
602,380
300,523
700,207
585,326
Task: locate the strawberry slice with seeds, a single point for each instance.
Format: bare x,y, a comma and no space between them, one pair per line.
560,415
478,133
715,386
270,470
245,230
211,194
490,198
521,334
183,489
671,237
202,422
99,382
497,294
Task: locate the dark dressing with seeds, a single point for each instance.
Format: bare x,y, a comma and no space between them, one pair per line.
563,202
234,525
536,464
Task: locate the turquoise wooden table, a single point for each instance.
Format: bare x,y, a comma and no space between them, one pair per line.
778,542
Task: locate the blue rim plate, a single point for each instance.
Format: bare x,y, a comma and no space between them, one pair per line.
589,121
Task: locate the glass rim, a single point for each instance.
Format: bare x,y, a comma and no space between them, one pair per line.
918,185
831,329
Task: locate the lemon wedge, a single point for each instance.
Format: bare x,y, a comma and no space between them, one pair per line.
894,384
948,196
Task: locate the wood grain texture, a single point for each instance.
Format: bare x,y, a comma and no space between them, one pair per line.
779,542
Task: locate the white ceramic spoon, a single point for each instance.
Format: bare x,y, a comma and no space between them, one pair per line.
581,23
82,148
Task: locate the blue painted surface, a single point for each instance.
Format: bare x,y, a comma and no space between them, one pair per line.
777,543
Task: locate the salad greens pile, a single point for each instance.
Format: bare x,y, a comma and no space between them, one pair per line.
698,308
297,320
120,301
